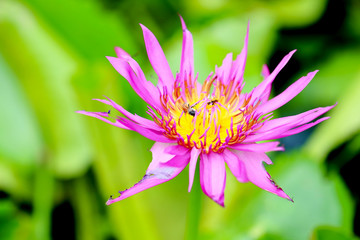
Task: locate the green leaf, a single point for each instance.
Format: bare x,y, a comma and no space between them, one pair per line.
20,140
330,233
253,213
344,124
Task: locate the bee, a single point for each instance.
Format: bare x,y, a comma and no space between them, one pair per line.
212,102
189,109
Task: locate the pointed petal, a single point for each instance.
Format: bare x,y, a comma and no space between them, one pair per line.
302,128
240,62
236,166
133,117
158,60
131,71
187,55
260,89
223,72
258,147
213,176
159,171
286,95
156,136
305,117
101,115
192,166
266,94
256,173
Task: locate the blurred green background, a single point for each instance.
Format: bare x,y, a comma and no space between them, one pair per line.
57,168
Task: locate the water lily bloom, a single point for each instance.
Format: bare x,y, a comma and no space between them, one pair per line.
215,121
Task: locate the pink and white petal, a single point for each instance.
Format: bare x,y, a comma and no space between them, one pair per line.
145,89
236,166
256,173
192,165
160,172
101,115
289,93
213,176
305,117
160,155
260,89
258,147
158,60
187,54
148,133
133,117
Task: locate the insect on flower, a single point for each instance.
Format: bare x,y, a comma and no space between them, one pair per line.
189,109
215,122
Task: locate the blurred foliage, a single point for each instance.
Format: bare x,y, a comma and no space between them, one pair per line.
57,168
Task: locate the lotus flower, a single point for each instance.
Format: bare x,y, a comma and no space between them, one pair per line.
215,122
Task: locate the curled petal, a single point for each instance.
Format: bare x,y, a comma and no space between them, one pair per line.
131,71
213,176
256,173
158,172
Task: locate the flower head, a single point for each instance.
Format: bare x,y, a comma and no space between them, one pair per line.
215,121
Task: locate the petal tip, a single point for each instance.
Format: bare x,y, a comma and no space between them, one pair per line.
183,25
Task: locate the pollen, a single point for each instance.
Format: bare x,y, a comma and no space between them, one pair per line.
210,116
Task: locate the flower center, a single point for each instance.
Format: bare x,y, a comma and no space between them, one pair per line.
205,119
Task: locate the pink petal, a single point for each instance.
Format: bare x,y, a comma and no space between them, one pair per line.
302,128
160,154
286,95
240,62
158,60
256,173
133,117
260,89
192,165
223,72
159,171
213,176
236,166
130,70
156,136
258,147
265,71
101,115
266,94
187,55
295,120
